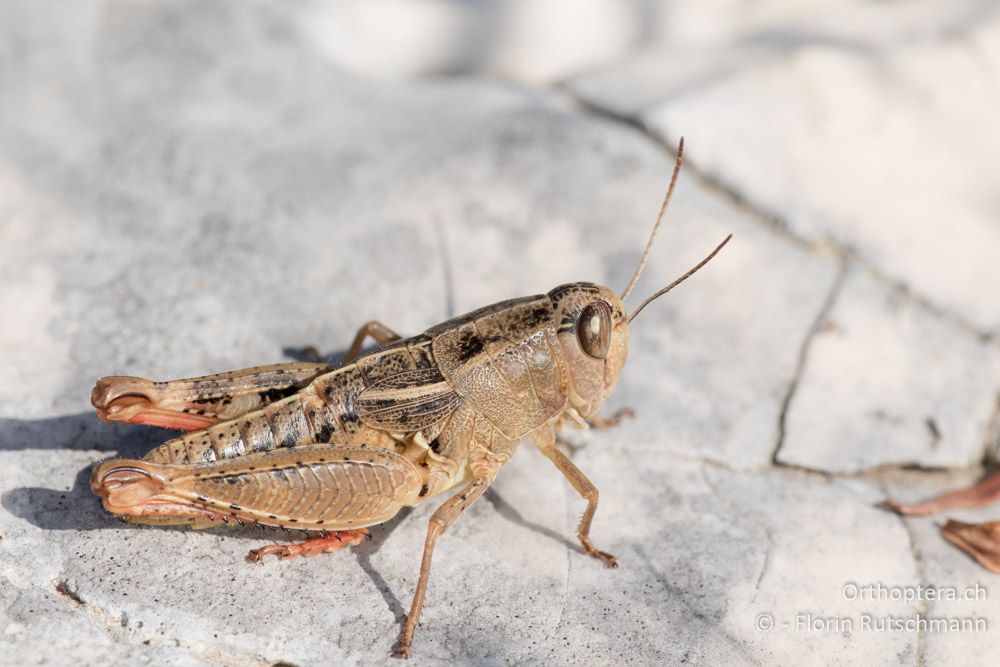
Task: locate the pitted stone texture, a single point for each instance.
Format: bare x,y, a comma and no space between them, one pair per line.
705,552
191,187
887,383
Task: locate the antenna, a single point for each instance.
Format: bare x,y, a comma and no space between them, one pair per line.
681,279
659,221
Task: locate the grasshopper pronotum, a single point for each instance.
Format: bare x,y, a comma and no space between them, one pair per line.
335,450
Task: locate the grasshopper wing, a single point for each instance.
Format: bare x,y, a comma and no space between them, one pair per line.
407,401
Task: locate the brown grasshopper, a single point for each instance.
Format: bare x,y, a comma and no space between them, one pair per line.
333,451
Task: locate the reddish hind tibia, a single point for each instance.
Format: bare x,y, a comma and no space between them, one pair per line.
313,547
151,416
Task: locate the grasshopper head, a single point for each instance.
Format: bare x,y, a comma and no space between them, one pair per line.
593,324
593,333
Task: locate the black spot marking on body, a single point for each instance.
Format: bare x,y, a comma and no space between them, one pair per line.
380,404
290,438
538,315
202,499
235,508
435,446
423,491
277,393
325,433
469,346
230,479
493,338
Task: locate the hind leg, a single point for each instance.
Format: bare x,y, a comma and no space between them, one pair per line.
196,403
335,491
323,544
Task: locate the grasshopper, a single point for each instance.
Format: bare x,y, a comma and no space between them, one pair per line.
333,451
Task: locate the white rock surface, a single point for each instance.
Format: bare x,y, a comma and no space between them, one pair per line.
694,46
887,383
891,156
192,187
533,41
741,546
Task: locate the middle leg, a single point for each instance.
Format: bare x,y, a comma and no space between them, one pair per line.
382,334
440,520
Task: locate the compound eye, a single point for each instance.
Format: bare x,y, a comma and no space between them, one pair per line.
593,329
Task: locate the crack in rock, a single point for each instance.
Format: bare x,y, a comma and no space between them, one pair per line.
923,608
800,363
